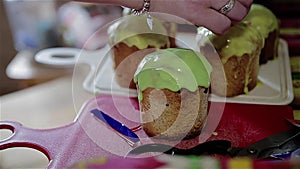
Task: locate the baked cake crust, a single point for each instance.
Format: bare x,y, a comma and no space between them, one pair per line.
126,60
174,115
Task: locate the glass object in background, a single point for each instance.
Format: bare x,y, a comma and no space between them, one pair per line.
32,23
80,24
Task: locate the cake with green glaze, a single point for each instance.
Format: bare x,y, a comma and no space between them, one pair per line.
267,24
173,93
235,58
131,39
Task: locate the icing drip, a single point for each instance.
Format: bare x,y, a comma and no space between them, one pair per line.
173,69
134,31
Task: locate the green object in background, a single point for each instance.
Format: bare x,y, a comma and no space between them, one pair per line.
296,114
289,31
295,69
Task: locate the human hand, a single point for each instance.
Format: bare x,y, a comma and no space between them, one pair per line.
198,12
204,12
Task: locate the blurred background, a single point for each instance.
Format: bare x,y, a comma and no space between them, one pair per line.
7,52
28,26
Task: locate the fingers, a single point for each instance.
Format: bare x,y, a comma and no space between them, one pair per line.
214,21
205,12
238,11
218,4
219,22
246,3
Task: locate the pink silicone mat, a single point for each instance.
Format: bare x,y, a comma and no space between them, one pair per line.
87,138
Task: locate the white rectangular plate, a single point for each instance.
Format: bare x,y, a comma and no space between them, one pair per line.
274,87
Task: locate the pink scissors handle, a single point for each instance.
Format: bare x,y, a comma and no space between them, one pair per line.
63,146
21,137
83,139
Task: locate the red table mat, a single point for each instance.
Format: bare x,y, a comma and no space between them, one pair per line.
87,138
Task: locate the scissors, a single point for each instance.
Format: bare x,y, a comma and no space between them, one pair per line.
277,146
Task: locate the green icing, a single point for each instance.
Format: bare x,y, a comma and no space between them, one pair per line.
237,41
134,31
173,69
262,19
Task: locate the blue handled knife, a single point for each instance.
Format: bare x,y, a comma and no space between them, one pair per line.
119,128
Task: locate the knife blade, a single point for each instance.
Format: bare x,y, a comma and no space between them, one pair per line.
119,128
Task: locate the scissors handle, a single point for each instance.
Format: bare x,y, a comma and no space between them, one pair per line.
44,140
50,142
24,137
